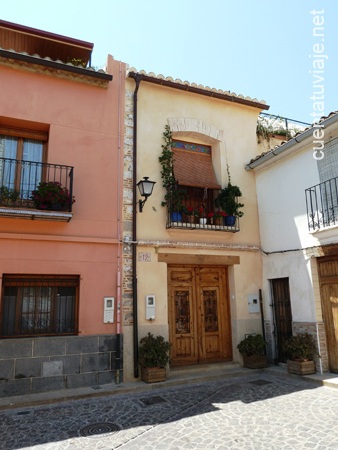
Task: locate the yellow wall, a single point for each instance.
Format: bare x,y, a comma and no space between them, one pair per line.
157,107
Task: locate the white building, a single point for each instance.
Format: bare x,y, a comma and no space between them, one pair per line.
297,194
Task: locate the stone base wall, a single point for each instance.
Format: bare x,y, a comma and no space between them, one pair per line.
269,341
317,330
33,365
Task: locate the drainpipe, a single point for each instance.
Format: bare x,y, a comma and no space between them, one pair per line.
137,79
261,311
118,366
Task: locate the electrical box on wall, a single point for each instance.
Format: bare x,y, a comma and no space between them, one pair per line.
253,303
150,307
108,310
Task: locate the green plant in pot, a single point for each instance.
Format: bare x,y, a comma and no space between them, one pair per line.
253,348
301,351
51,195
227,200
8,197
153,357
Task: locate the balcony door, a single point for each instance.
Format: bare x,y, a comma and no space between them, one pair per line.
199,315
26,147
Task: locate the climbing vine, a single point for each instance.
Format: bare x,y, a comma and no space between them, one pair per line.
174,195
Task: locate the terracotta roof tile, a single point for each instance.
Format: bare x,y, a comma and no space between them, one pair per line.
193,87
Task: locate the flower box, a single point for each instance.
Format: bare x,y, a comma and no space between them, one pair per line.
255,361
301,367
153,374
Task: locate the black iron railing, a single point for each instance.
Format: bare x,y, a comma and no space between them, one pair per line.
322,204
18,179
197,210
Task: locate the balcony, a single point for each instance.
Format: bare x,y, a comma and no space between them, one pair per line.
322,205
197,212
18,180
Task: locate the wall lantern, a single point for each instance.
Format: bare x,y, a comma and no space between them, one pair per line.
145,187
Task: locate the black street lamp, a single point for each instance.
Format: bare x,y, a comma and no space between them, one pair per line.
145,188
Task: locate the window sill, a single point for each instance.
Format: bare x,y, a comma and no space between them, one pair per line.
35,214
197,226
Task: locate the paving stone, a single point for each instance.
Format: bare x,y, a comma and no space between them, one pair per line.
259,411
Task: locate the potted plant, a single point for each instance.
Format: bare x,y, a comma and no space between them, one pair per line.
252,348
201,215
154,357
51,195
189,211
219,217
301,351
8,197
227,200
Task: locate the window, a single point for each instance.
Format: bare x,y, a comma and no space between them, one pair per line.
328,188
21,155
39,305
194,172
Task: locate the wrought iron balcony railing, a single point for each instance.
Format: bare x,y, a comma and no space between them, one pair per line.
18,180
322,204
197,211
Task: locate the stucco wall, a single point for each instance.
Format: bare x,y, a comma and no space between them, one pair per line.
85,131
290,249
230,129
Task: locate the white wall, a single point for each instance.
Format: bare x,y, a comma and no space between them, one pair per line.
281,202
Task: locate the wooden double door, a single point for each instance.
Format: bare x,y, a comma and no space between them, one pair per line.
199,314
328,279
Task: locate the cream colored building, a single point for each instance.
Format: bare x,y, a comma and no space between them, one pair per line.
201,282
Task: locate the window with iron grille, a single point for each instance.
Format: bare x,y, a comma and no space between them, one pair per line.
39,305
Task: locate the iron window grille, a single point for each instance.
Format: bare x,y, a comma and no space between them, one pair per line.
39,305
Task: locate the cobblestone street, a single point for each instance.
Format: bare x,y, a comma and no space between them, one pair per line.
257,411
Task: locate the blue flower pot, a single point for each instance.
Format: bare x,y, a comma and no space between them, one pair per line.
176,217
229,221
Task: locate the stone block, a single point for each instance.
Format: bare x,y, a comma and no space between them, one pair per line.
49,346
15,348
86,344
52,368
107,343
71,363
48,384
29,367
7,369
81,380
95,362
15,387
106,377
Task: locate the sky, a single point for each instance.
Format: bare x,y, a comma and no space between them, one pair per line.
283,52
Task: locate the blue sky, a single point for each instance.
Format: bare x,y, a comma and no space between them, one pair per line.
263,49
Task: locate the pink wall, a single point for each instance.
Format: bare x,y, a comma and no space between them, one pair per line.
84,132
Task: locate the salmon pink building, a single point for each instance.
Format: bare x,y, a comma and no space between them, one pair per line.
60,161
